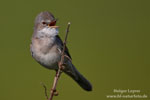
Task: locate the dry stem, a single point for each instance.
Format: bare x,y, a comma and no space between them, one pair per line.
60,64
45,88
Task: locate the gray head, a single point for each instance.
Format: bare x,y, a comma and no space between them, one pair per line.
44,19
45,25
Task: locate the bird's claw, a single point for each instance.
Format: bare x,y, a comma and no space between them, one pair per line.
62,66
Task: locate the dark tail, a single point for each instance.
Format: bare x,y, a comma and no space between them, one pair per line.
84,83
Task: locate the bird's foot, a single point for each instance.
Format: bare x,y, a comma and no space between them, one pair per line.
62,66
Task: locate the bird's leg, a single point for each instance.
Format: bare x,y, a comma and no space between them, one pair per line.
61,66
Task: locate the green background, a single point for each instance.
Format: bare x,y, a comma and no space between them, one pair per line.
109,41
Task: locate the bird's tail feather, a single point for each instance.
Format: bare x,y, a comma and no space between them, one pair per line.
81,80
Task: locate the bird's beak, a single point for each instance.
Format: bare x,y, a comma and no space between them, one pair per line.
53,26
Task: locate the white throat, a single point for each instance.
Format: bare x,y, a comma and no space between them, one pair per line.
48,32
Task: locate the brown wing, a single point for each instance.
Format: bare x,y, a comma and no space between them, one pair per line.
59,42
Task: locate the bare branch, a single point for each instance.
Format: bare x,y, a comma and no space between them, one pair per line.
68,58
60,64
45,90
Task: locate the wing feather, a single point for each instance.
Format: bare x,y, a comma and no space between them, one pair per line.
60,42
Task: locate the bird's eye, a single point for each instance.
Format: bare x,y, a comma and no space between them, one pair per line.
43,23
52,23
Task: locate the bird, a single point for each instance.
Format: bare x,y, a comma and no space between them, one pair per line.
46,48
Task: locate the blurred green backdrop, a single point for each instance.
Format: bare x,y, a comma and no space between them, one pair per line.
108,40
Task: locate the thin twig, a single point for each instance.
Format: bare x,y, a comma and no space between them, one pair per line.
45,88
68,58
60,64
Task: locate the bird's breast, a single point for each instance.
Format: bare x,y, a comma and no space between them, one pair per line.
45,52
